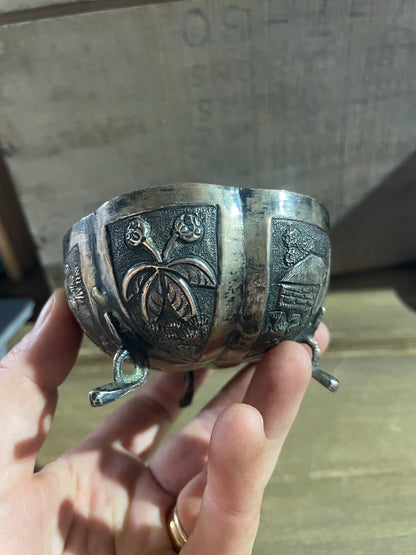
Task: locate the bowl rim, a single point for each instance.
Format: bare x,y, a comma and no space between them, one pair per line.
281,192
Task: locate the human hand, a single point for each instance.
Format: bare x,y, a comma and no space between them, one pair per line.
106,496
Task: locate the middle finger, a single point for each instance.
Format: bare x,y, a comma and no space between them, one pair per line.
138,425
186,451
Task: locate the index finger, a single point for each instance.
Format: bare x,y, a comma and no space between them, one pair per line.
29,377
277,388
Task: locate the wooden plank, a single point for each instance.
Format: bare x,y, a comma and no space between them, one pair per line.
344,483
314,97
10,6
380,231
400,279
17,249
34,285
18,11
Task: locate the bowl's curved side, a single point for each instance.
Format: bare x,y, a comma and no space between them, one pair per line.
193,274
287,251
83,279
151,266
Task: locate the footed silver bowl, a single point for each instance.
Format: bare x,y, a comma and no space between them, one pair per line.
192,274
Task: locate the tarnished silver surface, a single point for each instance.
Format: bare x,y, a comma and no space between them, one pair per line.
190,274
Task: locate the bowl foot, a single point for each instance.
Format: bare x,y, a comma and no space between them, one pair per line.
122,384
330,382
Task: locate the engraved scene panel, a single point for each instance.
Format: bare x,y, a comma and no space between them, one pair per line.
299,266
80,302
166,267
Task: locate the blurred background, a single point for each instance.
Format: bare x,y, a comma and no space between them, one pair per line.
101,97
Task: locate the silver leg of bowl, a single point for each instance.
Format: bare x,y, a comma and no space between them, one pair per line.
123,383
328,381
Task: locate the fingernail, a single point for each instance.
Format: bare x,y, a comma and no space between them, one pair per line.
45,312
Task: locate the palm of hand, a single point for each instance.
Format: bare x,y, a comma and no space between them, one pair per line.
105,496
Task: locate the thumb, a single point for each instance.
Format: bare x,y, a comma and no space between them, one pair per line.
228,519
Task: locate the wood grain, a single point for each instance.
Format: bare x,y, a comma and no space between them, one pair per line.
19,11
17,250
317,97
380,230
13,6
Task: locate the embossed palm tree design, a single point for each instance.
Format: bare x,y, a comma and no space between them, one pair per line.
74,287
163,286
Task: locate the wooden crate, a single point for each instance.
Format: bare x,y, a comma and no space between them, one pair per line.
100,97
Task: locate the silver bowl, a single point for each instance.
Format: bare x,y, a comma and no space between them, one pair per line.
194,274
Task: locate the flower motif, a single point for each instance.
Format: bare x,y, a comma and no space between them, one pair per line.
136,232
164,286
74,287
291,237
189,227
293,256
306,245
